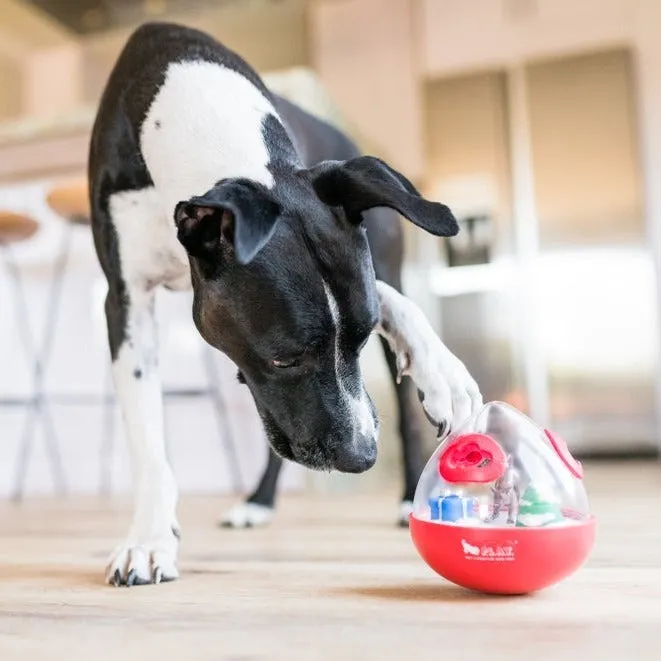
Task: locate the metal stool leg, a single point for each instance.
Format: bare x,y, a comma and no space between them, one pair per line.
26,441
38,406
52,448
24,452
222,420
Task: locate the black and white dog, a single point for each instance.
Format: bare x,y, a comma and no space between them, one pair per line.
200,177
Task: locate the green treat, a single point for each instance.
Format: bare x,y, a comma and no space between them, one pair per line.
535,510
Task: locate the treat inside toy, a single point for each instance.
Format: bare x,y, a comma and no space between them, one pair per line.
500,469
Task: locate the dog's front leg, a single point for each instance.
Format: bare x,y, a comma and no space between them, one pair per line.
448,392
148,554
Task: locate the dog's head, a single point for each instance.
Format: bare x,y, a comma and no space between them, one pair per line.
284,285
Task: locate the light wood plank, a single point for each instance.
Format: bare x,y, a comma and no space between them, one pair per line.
330,579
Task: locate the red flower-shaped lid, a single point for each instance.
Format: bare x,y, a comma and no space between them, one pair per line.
561,448
472,458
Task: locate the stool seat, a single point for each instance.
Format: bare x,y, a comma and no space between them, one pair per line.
70,200
16,227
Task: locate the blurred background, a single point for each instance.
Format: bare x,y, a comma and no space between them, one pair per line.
537,121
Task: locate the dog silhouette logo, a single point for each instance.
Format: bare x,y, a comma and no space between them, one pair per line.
469,549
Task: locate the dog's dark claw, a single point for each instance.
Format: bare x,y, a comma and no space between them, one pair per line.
434,423
443,429
133,579
116,579
159,577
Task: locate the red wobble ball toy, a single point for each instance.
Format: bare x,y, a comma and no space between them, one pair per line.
501,507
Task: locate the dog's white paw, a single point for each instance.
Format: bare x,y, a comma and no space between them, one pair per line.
405,509
141,563
149,553
247,515
448,392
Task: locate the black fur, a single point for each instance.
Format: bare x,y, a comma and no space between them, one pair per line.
256,257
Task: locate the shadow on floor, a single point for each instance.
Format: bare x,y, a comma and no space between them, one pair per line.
417,593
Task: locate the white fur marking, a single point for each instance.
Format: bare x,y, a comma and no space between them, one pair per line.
247,515
405,509
358,406
149,251
205,124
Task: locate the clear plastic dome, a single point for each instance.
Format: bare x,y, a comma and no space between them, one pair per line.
499,469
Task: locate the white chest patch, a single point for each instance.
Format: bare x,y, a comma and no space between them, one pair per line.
149,251
359,408
204,124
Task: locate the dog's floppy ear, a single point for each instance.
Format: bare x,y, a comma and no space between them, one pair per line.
366,182
241,213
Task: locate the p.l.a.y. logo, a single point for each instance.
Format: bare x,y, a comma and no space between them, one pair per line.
490,551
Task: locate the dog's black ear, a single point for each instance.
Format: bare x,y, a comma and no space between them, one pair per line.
366,182
241,213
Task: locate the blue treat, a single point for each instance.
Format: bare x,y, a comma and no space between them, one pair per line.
452,508
470,507
434,512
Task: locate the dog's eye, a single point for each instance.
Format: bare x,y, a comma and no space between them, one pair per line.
284,363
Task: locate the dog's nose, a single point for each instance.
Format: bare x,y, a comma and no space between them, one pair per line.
357,457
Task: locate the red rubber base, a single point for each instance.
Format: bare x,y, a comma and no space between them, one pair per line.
503,560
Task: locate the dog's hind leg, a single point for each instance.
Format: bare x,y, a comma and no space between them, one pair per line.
148,553
258,508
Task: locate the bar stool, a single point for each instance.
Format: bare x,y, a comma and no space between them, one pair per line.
16,228
70,201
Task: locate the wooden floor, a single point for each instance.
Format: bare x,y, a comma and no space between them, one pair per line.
330,580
